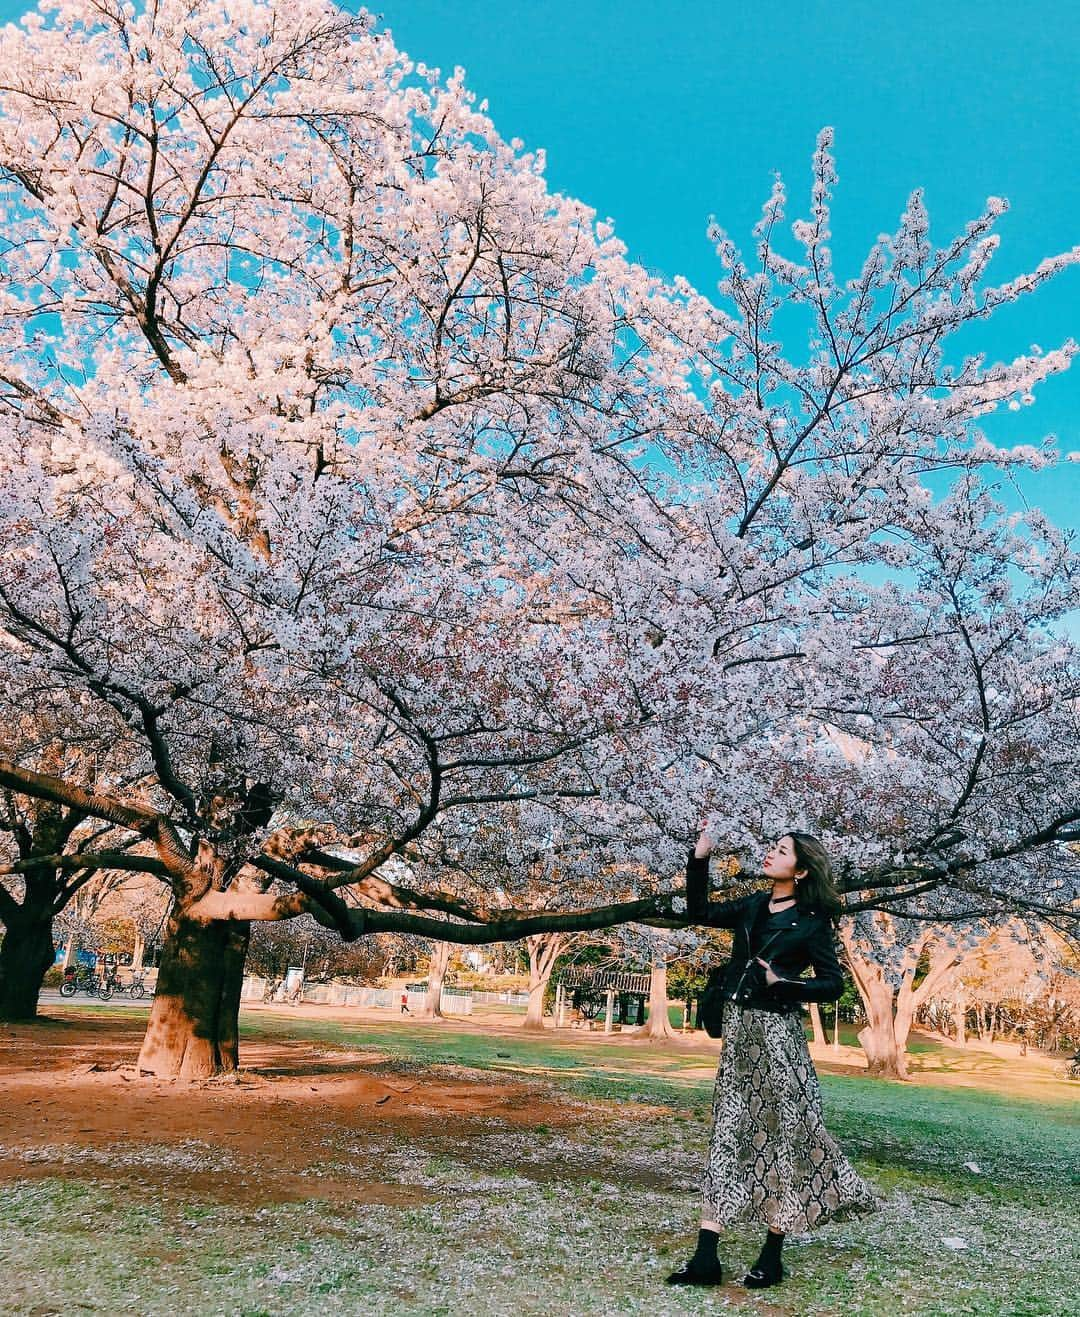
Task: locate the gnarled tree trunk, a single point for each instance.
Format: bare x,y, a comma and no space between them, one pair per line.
891,1009
194,1021
959,1014
658,1025
544,949
877,1037
26,954
884,1055
440,962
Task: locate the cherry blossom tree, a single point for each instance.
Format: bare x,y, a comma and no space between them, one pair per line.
544,950
1008,983
276,945
354,481
884,969
438,965
1006,967
145,902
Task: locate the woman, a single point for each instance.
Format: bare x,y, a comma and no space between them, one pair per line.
771,1159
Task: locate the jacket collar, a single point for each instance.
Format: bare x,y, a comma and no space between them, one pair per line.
760,899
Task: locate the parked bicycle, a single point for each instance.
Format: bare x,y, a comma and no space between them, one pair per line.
137,988
85,981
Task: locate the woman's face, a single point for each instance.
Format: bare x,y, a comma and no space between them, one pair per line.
780,860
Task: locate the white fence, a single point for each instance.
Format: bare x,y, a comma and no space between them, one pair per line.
501,998
346,994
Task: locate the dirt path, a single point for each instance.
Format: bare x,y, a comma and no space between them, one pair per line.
70,1101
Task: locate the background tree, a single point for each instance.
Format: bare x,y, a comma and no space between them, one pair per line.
543,950
439,955
1054,1015
1009,985
896,974
55,863
275,946
146,904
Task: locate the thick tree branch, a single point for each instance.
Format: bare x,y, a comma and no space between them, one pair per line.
515,928
380,889
42,786
90,861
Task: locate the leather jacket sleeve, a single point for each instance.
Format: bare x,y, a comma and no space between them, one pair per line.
720,914
726,914
828,981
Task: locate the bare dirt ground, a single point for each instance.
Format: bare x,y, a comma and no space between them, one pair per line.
71,1082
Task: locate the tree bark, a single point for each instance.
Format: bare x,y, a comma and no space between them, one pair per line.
815,1022
890,1010
26,955
877,1038
194,1020
138,952
440,962
658,1025
960,1019
908,1000
237,937
544,949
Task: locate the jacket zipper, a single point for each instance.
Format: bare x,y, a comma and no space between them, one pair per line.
761,950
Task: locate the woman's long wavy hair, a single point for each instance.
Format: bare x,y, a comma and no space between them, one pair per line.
817,891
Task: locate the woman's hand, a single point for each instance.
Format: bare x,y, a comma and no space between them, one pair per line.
704,846
770,977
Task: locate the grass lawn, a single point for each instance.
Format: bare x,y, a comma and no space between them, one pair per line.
574,1197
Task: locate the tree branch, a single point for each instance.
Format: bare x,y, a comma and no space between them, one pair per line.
42,786
515,928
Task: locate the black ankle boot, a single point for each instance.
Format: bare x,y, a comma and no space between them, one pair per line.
711,1273
704,1267
760,1278
768,1269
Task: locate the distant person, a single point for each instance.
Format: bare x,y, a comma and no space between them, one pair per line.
405,1002
771,1160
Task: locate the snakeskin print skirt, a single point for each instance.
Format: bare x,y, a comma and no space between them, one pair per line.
771,1159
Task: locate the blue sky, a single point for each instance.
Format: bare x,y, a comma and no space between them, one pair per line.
661,115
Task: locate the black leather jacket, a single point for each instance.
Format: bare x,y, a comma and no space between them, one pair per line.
804,941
